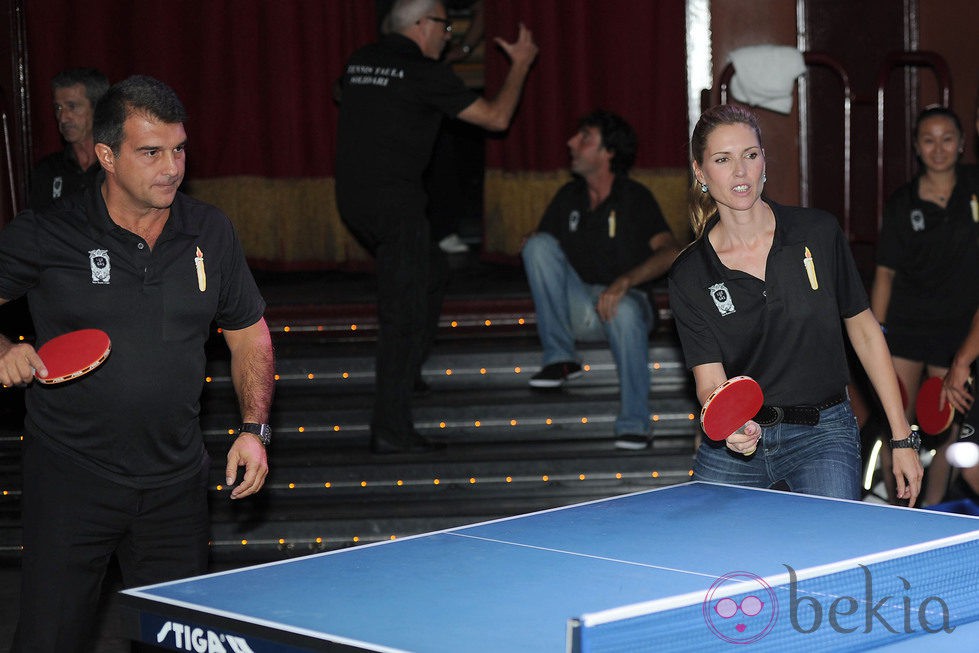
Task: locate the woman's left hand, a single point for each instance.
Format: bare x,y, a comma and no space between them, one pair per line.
907,473
745,440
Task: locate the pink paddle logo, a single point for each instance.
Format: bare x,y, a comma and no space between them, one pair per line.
744,617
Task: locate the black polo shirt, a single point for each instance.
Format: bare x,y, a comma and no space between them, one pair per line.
934,254
392,102
598,247
782,332
133,420
58,175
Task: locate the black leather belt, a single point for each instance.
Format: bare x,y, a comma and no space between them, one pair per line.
804,415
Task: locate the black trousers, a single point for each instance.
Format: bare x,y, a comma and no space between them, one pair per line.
411,279
74,521
454,177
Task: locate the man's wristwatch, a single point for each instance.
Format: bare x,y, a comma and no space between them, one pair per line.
262,431
913,441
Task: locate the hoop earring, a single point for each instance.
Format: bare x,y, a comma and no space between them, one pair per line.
703,187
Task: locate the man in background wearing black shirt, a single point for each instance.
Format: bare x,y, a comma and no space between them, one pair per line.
73,169
394,94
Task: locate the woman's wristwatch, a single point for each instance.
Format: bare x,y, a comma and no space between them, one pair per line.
262,431
913,441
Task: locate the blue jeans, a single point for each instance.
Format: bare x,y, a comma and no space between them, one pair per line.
566,312
822,459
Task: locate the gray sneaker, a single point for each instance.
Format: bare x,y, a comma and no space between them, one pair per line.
633,442
555,374
452,244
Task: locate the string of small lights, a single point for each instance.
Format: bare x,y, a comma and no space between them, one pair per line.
448,424
458,372
324,542
369,324
471,480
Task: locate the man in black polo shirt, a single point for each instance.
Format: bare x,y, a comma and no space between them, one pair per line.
114,461
73,169
394,95
602,240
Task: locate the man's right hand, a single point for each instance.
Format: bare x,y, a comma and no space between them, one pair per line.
18,362
523,51
608,301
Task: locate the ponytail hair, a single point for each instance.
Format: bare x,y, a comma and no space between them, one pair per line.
700,205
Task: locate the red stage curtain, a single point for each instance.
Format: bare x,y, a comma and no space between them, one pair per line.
625,56
256,76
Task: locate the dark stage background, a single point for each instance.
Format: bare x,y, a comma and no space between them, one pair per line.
256,75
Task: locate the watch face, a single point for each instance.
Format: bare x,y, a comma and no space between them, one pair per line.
263,431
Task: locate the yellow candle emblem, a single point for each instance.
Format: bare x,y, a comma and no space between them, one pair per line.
810,270
201,276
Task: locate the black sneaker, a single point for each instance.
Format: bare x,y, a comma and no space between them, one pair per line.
633,442
555,374
412,443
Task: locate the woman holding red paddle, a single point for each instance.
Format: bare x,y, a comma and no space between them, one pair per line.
761,292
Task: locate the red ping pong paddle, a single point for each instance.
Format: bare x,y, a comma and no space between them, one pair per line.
73,354
730,407
934,415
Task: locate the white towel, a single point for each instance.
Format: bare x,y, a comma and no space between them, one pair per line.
764,75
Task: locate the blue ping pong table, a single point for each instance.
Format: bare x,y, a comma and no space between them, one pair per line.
695,567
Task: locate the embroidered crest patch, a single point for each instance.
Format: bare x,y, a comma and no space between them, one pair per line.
722,298
918,220
101,267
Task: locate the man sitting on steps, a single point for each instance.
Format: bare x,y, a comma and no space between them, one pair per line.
602,238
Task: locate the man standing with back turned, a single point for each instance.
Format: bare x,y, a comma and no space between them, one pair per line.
114,461
394,94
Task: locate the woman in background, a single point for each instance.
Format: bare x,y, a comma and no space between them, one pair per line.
926,286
